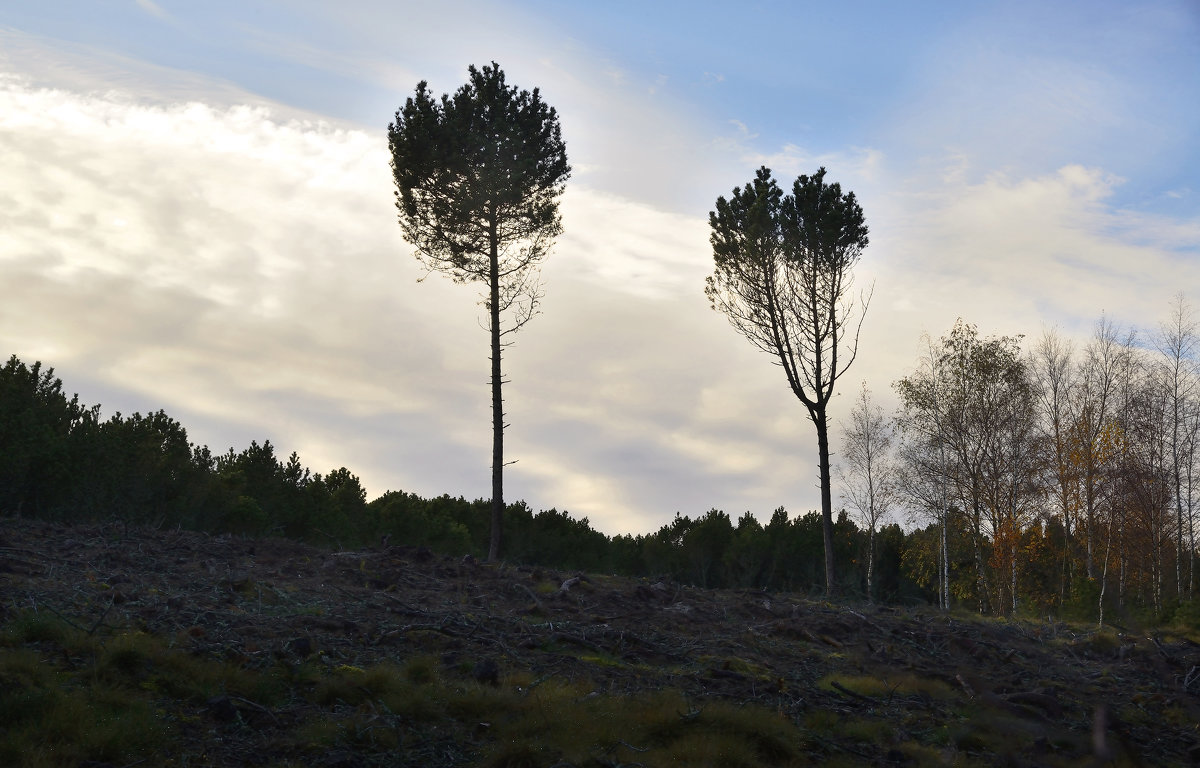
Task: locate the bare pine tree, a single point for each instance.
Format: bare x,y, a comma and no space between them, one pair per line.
783,278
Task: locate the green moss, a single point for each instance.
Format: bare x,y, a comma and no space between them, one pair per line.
1104,641
41,627
602,660
421,670
546,587
771,737
866,731
564,721
886,688
128,657
48,721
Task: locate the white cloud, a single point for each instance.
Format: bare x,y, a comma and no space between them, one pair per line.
1020,249
1013,254
239,265
241,270
636,249
221,261
152,8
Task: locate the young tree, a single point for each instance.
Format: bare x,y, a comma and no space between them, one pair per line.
1054,370
867,471
478,181
783,278
923,468
1106,367
1178,341
966,412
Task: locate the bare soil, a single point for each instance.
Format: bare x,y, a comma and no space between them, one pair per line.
1055,694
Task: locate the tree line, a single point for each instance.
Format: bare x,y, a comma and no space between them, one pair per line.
1012,538
63,461
1046,479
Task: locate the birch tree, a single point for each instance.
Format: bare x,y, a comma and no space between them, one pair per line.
867,471
1178,343
1054,371
969,405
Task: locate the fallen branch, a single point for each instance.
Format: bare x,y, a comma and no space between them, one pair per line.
99,621
843,689
965,686
1158,644
564,637
566,585
255,705
536,601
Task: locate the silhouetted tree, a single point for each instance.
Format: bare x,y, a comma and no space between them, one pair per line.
36,422
704,547
147,468
783,278
1106,369
478,179
1054,370
748,554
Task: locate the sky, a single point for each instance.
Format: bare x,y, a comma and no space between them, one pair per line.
196,215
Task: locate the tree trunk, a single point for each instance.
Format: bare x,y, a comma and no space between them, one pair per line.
1014,579
945,528
945,554
820,419
1089,506
1104,578
497,402
1121,570
871,561
1181,539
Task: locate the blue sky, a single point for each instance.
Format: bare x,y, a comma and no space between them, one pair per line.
196,216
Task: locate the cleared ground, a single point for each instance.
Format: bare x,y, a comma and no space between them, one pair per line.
166,647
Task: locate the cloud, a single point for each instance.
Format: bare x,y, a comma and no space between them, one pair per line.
239,265
1014,254
1050,244
637,249
152,8
215,260
245,273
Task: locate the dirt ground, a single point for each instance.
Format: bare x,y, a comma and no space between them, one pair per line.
1051,693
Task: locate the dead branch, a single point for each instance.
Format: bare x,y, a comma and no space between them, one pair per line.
1192,676
852,694
534,597
965,686
255,705
566,585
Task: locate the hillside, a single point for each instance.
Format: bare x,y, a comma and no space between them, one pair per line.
126,646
